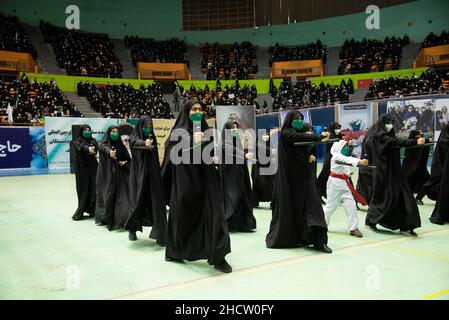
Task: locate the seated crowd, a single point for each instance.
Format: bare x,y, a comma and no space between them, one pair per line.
306,94
13,36
150,50
82,53
371,55
237,61
433,40
311,51
210,98
426,83
125,101
31,101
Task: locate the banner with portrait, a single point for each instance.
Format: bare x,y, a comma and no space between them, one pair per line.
355,120
412,114
245,117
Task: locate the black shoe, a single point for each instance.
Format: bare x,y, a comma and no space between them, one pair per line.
436,221
419,201
160,243
409,233
323,248
172,259
223,266
132,236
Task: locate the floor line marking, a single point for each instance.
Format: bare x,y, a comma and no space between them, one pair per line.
271,265
436,294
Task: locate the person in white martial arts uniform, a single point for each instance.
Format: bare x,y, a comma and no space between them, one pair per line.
339,189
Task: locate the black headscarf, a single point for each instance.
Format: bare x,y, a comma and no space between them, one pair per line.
81,140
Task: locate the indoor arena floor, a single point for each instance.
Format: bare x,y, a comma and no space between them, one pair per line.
46,255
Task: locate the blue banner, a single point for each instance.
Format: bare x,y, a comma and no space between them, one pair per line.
22,148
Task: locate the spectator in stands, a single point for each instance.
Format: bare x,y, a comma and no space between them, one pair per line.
371,55
24,79
229,62
427,82
235,95
13,36
35,100
82,53
433,40
125,101
311,51
150,50
306,94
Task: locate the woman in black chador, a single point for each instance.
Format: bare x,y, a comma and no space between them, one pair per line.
365,181
234,176
298,217
392,204
85,172
414,165
262,183
440,214
112,207
431,188
334,129
197,227
146,196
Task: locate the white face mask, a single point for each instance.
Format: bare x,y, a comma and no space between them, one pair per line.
337,131
389,126
265,138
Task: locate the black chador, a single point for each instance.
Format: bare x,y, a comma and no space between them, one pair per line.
414,165
235,180
112,207
197,227
440,214
298,217
262,183
431,188
365,181
392,204
146,196
85,172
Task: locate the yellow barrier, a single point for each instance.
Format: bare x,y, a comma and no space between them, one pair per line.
163,71
299,69
17,61
438,55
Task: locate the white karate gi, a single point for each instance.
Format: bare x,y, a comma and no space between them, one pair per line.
337,189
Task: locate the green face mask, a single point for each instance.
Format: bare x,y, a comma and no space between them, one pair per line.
234,133
114,136
87,134
345,151
297,124
196,116
146,132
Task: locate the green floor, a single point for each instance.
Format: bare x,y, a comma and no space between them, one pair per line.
46,255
